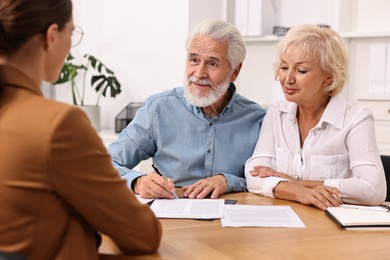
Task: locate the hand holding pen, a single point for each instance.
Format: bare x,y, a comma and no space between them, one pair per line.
173,191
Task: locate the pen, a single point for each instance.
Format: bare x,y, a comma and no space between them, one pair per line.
159,173
369,208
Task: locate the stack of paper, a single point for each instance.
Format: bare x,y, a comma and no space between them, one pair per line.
230,215
260,216
188,208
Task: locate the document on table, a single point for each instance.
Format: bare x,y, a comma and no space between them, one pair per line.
188,208
142,200
260,216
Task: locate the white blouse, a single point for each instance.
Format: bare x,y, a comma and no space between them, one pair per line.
341,150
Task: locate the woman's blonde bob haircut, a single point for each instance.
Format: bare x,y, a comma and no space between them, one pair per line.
322,44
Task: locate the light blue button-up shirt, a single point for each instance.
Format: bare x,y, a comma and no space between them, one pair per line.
185,144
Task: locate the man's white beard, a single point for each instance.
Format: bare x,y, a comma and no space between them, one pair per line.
216,92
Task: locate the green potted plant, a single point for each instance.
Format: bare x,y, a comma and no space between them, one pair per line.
102,79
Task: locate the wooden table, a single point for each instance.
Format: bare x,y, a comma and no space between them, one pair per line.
321,239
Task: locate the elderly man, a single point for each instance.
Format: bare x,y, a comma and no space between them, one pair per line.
200,135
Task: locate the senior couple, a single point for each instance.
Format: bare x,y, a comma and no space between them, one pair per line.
313,147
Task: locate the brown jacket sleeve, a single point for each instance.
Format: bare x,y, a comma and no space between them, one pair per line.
85,178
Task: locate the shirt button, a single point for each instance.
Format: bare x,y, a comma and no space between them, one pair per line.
210,124
208,151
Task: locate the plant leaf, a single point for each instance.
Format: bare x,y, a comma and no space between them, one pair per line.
110,83
102,82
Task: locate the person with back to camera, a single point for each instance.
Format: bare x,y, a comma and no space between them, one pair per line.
57,183
200,135
314,148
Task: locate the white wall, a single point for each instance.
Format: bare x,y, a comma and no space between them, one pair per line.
141,41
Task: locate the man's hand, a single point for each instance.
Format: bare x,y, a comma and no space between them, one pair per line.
215,185
154,186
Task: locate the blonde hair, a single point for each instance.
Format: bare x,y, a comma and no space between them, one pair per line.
323,44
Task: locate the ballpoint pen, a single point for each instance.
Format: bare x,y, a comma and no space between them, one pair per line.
159,173
382,208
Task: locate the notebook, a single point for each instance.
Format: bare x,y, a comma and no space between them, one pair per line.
354,217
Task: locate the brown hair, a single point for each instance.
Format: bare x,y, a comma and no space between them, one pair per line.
22,19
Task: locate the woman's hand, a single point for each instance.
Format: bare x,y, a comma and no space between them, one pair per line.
320,196
264,171
305,192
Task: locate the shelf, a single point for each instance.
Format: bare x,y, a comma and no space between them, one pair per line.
373,97
265,38
346,35
356,35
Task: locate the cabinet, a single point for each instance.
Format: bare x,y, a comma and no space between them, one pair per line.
362,23
359,85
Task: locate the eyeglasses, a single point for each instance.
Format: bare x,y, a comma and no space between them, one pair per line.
77,35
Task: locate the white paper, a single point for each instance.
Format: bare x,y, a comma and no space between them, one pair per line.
354,215
369,208
142,200
260,216
188,208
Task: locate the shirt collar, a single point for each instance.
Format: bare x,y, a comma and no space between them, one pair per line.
290,108
232,89
15,77
334,112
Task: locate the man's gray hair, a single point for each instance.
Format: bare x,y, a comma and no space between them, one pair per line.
224,31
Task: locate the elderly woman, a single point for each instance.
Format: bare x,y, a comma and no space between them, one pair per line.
314,148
